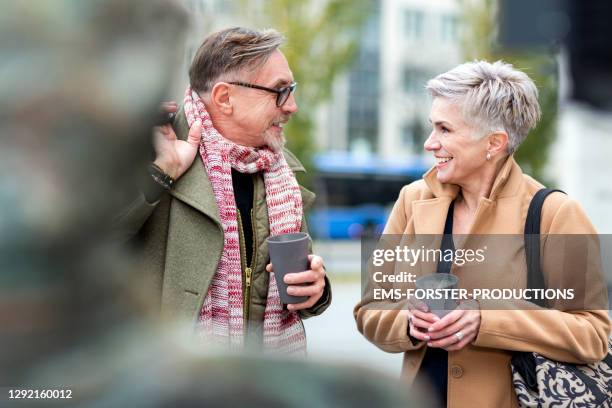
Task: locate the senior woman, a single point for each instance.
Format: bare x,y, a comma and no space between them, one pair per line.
480,114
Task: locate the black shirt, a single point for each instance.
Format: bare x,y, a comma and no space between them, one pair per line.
434,367
244,193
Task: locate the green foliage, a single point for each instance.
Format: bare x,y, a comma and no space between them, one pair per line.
322,39
479,42
533,153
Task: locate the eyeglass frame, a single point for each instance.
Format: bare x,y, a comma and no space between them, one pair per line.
279,92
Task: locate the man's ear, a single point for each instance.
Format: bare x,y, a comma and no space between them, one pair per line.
220,97
497,143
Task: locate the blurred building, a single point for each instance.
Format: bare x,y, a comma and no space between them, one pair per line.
579,160
206,16
380,106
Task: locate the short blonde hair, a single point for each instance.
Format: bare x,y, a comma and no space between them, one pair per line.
493,97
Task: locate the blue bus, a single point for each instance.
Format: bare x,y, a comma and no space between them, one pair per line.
355,193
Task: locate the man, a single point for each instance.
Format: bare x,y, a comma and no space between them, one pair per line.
229,184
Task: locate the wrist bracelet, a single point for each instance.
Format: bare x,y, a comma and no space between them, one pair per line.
160,176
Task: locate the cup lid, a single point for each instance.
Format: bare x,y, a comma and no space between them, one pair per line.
291,237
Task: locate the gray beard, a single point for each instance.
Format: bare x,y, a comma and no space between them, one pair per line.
276,144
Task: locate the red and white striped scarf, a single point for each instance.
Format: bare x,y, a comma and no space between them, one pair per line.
221,318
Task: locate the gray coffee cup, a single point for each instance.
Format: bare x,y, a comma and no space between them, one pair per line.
288,254
439,307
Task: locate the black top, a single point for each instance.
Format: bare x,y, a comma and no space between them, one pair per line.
244,192
434,368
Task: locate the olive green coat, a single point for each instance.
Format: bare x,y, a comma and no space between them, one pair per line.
180,240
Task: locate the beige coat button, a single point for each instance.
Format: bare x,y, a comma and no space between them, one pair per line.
456,371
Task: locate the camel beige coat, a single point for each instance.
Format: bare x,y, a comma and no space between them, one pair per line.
479,375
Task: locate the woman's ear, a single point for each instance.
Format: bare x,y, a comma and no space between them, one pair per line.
497,143
220,97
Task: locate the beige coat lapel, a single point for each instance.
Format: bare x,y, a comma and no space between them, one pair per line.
429,215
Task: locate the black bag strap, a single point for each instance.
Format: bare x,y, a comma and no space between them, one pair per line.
535,278
524,362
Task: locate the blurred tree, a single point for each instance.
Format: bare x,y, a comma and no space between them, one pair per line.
480,22
322,40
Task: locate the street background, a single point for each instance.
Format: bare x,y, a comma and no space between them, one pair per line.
362,66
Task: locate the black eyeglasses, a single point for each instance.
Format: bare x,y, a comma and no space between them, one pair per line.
282,94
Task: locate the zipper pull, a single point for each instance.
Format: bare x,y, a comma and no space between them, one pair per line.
248,272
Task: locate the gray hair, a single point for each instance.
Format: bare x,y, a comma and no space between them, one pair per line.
493,97
228,51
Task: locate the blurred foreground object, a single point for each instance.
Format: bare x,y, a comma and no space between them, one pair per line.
81,83
162,375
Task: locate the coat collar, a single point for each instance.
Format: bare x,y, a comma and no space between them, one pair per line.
506,182
194,187
430,214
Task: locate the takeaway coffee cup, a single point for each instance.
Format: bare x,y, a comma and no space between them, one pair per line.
445,304
288,254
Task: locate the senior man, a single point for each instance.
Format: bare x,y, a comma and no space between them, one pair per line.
221,183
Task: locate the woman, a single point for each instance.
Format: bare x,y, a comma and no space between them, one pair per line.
481,112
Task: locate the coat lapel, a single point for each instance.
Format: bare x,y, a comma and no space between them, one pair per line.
200,237
195,189
194,244
430,215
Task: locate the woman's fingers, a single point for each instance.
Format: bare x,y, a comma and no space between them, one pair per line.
458,333
426,316
448,320
420,322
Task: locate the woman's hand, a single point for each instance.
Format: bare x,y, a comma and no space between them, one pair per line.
420,320
457,329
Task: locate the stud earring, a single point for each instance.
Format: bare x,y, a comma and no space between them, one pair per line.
488,156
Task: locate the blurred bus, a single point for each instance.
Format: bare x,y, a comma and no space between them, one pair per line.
355,193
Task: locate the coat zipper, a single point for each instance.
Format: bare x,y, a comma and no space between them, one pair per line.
247,273
247,293
248,270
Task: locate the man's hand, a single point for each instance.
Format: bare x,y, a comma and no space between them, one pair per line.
175,156
314,278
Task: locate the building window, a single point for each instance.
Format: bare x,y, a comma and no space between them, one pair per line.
449,28
413,24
